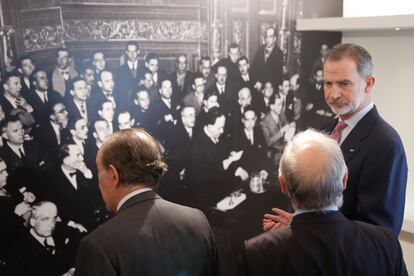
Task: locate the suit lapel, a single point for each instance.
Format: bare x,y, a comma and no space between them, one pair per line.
351,145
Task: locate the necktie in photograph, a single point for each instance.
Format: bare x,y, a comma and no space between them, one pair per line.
49,248
336,133
21,154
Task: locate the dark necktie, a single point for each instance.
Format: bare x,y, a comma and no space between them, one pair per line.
21,154
49,248
336,133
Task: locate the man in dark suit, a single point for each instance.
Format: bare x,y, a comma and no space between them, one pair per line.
267,64
54,133
139,108
320,239
181,78
196,96
105,91
152,64
17,152
164,112
372,149
230,63
74,193
40,97
11,98
166,238
212,172
47,248
26,67
226,93
127,75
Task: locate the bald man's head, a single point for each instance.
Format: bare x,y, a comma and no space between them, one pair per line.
314,171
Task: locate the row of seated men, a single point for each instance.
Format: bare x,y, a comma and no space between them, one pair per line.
217,128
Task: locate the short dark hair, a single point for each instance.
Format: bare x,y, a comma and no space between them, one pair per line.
131,42
233,46
9,119
136,155
19,62
32,77
212,115
197,76
64,152
243,58
210,93
8,75
72,123
150,56
64,50
75,80
357,53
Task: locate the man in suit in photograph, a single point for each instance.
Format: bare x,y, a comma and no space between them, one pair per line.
148,235
47,248
181,78
372,149
267,64
127,75
63,73
54,133
320,240
17,152
74,193
11,98
196,96
26,67
40,97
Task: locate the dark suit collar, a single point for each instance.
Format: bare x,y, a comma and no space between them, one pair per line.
351,145
148,195
318,217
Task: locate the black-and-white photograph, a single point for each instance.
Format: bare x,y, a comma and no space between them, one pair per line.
221,85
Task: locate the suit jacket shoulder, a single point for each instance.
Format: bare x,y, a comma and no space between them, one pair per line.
182,234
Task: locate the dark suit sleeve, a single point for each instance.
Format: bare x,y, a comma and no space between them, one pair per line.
381,187
242,265
92,260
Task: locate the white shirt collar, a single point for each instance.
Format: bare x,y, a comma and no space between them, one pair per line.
40,239
133,63
326,209
131,194
15,149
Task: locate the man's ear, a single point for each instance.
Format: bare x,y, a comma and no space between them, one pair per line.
132,122
282,184
99,83
370,81
114,175
4,134
344,180
72,92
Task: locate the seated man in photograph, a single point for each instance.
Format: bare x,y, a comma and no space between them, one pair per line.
320,240
139,108
26,67
212,172
125,120
17,152
195,97
166,238
48,248
11,98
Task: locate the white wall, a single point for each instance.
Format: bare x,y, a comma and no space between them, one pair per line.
393,55
357,8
